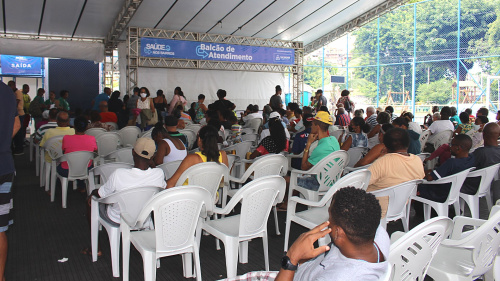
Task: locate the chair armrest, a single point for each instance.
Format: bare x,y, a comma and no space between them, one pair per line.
238,180
307,202
127,218
458,224
301,172
222,211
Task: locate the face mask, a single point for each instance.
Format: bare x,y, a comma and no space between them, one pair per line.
144,95
476,127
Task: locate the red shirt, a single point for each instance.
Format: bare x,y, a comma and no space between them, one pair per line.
108,117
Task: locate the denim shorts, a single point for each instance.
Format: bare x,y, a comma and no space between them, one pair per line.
308,182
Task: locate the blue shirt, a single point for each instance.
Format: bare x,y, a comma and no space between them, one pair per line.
359,140
453,166
98,99
299,144
415,146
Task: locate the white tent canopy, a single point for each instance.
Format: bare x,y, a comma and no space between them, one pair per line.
49,21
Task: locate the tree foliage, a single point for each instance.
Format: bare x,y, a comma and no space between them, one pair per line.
438,92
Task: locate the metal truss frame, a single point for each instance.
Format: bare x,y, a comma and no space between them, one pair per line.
120,24
110,67
365,18
134,60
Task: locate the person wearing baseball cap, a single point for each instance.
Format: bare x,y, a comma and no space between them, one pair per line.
139,176
326,145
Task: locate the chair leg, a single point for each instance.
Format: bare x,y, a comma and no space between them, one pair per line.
427,212
266,250
197,266
456,206
489,201
275,210
231,249
64,191
126,255
149,261
474,207
243,251
114,245
47,177
187,265
94,229
74,185
287,231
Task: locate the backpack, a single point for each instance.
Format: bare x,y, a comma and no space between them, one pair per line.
347,105
35,108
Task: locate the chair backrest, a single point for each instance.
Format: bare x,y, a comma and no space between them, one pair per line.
355,153
78,163
358,179
123,155
170,168
412,253
267,165
487,174
53,146
207,175
240,149
456,180
129,135
398,197
112,126
177,211
132,200
330,169
194,127
250,137
190,136
248,131
442,138
257,196
95,131
105,170
424,136
107,143
255,124
335,133
424,155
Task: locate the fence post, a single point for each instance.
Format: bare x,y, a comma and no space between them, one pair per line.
378,61
347,64
458,54
414,66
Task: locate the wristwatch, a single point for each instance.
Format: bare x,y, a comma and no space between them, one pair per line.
286,264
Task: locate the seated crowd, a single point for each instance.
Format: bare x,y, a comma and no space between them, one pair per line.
390,146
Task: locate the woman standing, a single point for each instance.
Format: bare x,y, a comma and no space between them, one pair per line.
209,152
178,99
161,104
146,105
346,102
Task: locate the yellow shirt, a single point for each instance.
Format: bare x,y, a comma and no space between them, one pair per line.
393,169
20,105
57,131
204,159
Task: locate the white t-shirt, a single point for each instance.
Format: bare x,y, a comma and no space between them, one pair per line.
336,267
414,126
122,179
252,116
441,125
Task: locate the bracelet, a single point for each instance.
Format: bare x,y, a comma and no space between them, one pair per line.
306,150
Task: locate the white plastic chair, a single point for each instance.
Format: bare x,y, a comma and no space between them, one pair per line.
348,170
147,134
129,135
424,136
190,136
231,159
487,174
423,155
467,255
327,172
78,163
399,196
53,147
107,143
32,146
250,137
437,140
177,216
169,168
103,172
263,166
130,201
254,124
112,126
257,198
456,181
317,213
241,149
194,127
412,252
95,132
355,154
248,131
291,156
123,155
207,175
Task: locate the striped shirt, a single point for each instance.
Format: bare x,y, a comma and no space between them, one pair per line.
372,121
41,131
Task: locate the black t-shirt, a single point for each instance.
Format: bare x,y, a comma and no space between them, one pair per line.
7,115
222,105
484,157
115,105
275,102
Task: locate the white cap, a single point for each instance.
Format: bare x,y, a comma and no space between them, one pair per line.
274,114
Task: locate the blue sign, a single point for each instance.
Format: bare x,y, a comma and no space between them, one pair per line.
194,50
16,65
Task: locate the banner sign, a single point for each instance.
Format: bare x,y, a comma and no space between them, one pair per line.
16,65
194,50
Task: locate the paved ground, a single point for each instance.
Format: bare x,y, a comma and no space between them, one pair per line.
43,233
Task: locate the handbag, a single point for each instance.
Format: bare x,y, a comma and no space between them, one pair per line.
154,118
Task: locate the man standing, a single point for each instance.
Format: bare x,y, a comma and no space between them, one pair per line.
63,100
275,102
101,97
222,104
106,115
18,141
9,126
37,106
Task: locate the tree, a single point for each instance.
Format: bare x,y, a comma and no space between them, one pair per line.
438,92
313,74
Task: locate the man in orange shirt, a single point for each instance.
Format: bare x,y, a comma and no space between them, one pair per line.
107,116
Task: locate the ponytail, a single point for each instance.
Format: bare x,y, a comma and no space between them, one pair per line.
209,136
